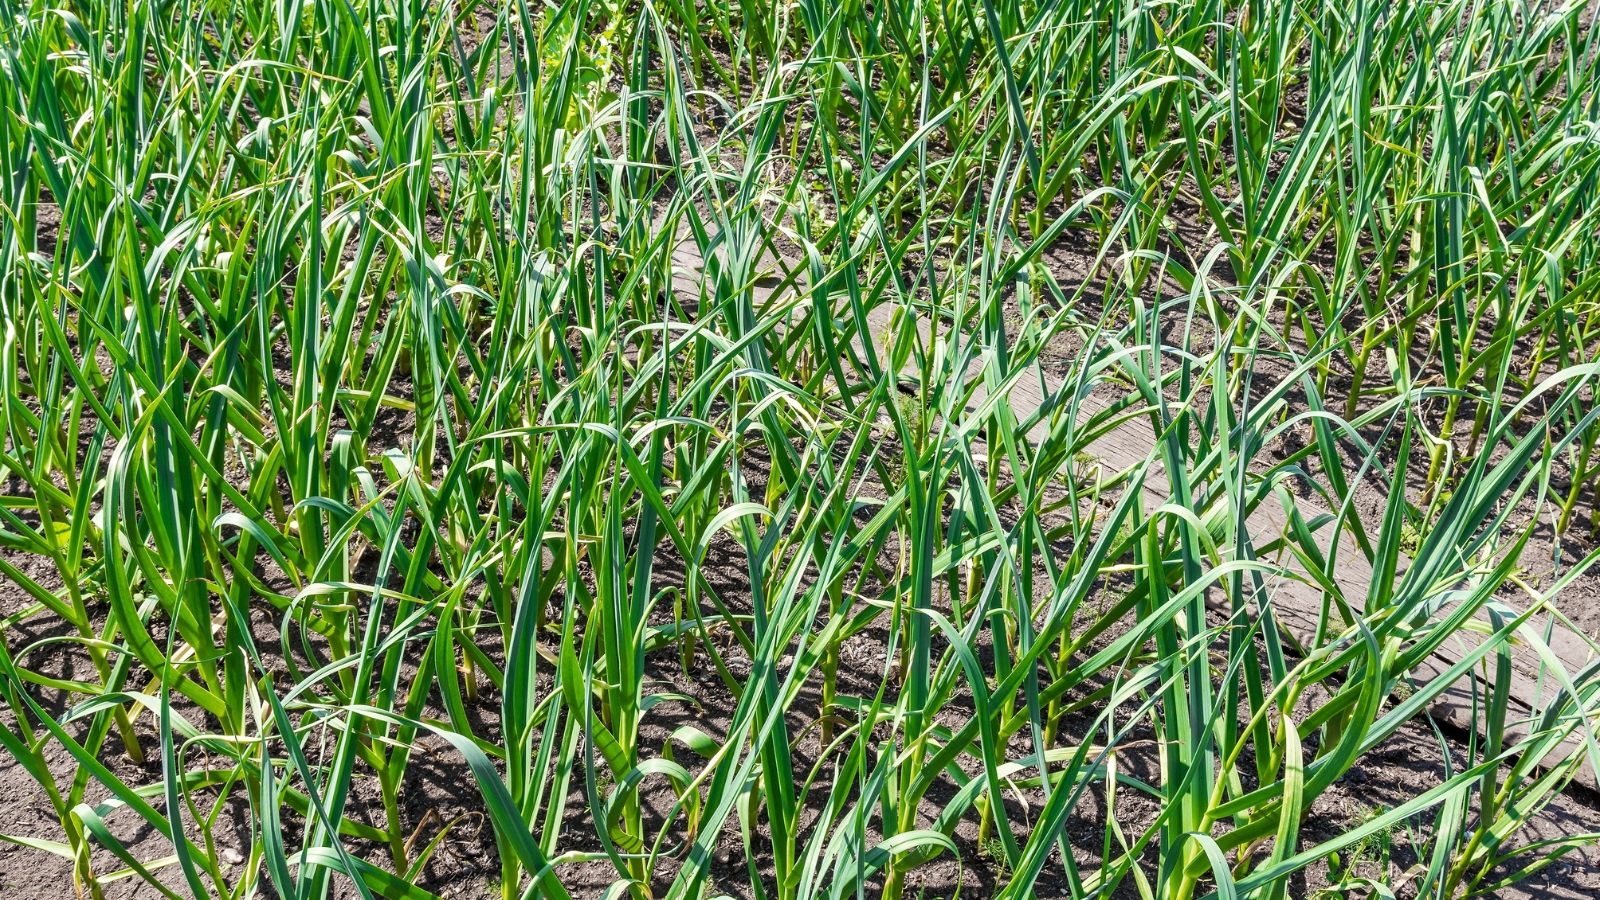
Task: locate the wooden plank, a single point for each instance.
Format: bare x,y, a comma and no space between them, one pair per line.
1296,603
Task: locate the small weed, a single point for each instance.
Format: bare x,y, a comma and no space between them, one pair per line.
1374,849
995,850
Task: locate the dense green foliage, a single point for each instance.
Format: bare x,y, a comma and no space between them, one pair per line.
360,315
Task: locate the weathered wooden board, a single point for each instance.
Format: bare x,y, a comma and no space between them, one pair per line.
1296,603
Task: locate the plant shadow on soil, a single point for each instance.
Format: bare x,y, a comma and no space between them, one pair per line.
439,787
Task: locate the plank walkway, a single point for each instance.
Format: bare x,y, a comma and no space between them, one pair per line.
1296,603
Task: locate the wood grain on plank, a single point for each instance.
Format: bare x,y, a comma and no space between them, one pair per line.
1296,602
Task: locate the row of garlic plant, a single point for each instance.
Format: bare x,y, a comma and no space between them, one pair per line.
352,383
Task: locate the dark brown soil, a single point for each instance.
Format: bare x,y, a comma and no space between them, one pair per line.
439,787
